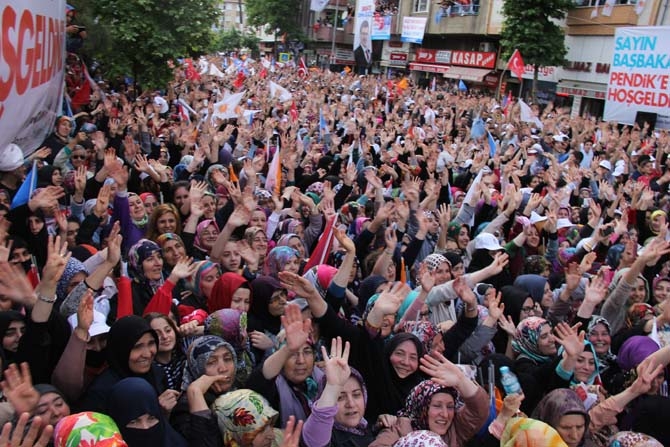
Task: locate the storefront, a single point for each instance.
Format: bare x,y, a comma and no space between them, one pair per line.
472,67
394,59
585,74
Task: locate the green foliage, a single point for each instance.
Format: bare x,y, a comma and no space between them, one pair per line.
275,14
233,40
139,37
530,27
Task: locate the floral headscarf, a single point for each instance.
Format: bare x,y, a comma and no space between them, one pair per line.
425,331
242,415
604,360
637,312
199,352
72,267
203,268
231,325
137,254
526,338
277,259
420,438
526,432
633,439
88,428
202,226
418,402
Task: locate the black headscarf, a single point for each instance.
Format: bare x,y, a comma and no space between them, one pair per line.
401,387
132,398
513,297
6,318
260,318
123,335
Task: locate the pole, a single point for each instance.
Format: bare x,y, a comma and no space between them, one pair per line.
332,45
520,87
500,94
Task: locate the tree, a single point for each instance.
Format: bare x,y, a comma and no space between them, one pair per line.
277,16
530,26
234,40
142,35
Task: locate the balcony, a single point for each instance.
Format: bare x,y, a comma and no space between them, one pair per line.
342,35
580,23
469,21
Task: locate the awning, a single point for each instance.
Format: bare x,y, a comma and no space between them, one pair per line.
430,68
466,74
579,88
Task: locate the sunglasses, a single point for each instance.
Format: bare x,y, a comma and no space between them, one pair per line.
78,157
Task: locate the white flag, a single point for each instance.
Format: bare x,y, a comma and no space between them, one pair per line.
277,90
639,7
527,114
229,107
318,5
214,71
607,8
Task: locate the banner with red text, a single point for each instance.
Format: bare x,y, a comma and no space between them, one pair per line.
32,58
639,78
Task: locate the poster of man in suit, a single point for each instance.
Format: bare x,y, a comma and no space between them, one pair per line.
363,45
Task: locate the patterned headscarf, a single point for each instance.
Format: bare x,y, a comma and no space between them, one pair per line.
199,352
558,403
202,226
526,338
277,259
72,267
163,238
231,325
633,439
526,432
604,360
242,415
137,254
425,331
320,276
361,428
637,312
88,428
420,438
203,268
418,402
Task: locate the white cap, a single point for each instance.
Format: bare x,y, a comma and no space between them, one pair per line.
563,223
487,241
535,218
534,149
99,325
12,158
605,164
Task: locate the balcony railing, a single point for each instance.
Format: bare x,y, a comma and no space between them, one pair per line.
583,21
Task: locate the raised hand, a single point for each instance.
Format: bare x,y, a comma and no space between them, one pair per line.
102,203
389,302
114,244
14,284
567,336
500,261
506,323
18,388
441,370
496,307
297,330
18,437
292,433
336,366
57,258
596,291
647,371
345,242
298,285
183,269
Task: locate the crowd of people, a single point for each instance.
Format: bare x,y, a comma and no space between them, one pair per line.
349,265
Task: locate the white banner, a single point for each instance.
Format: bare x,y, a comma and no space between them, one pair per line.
363,26
413,29
639,79
31,70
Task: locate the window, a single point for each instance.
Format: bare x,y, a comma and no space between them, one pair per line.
420,6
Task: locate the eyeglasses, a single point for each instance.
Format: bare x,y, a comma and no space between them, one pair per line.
78,157
529,309
307,352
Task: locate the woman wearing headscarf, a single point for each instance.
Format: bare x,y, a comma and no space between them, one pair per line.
282,259
151,293
231,325
12,329
131,349
288,378
519,304
210,356
133,405
267,305
203,240
245,417
230,291
88,428
539,289
200,284
257,240
563,410
74,273
455,410
537,365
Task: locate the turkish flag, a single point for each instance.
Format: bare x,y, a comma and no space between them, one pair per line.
302,68
516,64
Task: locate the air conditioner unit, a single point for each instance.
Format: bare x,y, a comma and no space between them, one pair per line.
486,47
